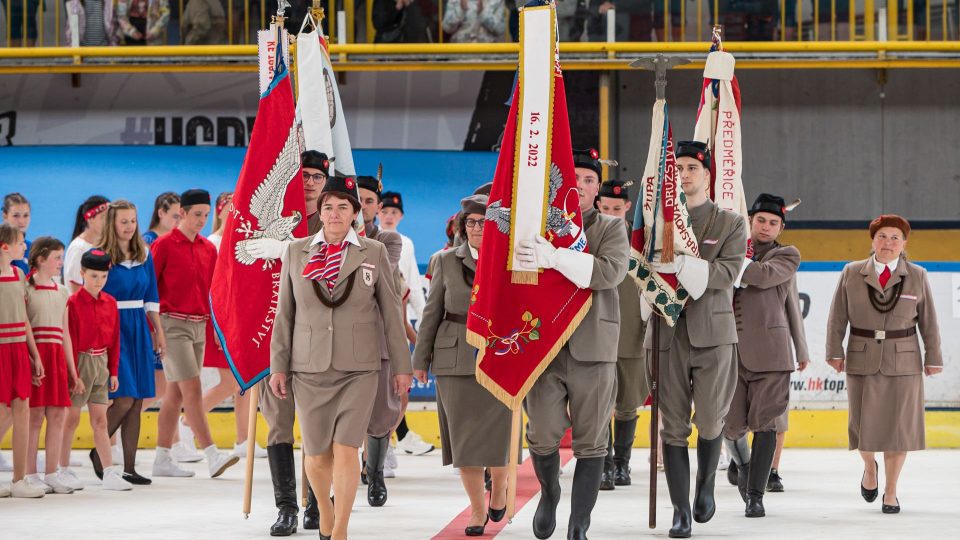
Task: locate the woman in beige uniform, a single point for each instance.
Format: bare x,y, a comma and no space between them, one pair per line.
334,289
884,300
474,425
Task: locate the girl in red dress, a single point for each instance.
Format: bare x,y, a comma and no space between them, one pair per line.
47,311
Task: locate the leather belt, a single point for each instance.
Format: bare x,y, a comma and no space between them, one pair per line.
454,317
883,334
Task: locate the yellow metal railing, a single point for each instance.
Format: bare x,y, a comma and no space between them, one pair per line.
41,22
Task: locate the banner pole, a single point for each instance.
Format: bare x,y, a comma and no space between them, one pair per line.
512,463
251,450
654,421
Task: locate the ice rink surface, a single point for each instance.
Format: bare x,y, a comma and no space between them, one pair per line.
822,500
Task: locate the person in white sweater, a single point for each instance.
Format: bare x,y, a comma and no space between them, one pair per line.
390,216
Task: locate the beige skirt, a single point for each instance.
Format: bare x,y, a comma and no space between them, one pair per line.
333,407
886,413
474,425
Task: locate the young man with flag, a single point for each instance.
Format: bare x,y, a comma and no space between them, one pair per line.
632,386
697,353
766,306
577,388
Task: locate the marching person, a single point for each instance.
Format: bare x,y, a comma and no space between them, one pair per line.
332,362
697,356
474,425
280,414
577,389
766,308
886,301
184,260
165,217
87,229
631,386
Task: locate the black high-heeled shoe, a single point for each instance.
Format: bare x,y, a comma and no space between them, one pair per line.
496,515
477,530
870,495
891,508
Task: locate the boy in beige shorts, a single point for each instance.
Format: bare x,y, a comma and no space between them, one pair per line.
94,327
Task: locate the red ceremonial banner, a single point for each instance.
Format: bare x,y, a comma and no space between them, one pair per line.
268,203
520,327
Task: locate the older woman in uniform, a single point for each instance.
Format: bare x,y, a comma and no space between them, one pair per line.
885,300
334,289
474,425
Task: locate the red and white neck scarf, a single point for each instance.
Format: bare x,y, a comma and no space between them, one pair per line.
325,263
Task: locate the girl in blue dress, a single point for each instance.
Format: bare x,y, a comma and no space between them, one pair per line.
133,283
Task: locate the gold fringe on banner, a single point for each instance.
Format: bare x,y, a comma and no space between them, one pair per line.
514,402
518,277
666,254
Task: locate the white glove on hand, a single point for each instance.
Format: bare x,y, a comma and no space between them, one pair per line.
670,267
266,248
537,253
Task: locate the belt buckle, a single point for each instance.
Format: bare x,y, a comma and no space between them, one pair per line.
879,334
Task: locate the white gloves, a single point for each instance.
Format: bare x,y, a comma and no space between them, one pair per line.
537,253
540,253
671,267
266,248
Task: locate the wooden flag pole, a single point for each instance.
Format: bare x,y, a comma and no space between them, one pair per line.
515,422
654,417
251,449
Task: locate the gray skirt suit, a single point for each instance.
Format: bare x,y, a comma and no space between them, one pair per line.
474,425
332,353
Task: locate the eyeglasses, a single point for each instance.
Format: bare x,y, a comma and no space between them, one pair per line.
472,223
319,177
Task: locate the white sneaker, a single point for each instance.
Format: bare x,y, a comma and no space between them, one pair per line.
219,462
35,481
5,466
240,450
59,486
164,465
69,478
413,444
4,491
724,462
24,490
181,453
390,462
113,479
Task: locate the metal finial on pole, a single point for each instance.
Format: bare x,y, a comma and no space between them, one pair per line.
282,6
659,64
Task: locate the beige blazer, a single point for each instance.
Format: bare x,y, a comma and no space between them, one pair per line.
851,307
441,344
309,337
761,311
710,320
596,339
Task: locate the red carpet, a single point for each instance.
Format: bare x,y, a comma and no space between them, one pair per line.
527,487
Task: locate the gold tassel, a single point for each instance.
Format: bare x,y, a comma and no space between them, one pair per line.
524,278
666,253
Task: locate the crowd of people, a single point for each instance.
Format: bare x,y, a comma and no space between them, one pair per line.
129,322
209,22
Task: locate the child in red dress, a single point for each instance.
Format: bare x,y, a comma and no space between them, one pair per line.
17,353
47,311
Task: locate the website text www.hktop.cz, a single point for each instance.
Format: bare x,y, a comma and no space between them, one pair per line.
818,384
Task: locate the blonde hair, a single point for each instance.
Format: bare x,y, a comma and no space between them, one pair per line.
42,247
110,243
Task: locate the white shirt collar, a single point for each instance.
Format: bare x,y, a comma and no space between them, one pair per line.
351,238
878,266
474,252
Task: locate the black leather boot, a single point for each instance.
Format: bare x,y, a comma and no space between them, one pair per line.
283,474
311,514
708,455
740,454
764,445
547,469
676,464
607,479
583,497
624,432
376,455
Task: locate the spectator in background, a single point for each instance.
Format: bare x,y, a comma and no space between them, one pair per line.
399,21
474,21
93,21
571,19
16,14
636,20
204,23
143,22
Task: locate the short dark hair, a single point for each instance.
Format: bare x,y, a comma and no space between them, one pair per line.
342,196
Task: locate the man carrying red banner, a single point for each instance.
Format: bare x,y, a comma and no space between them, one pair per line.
697,354
577,389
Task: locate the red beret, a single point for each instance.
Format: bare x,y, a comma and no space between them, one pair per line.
889,220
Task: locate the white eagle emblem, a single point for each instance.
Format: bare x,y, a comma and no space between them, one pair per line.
558,221
267,204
